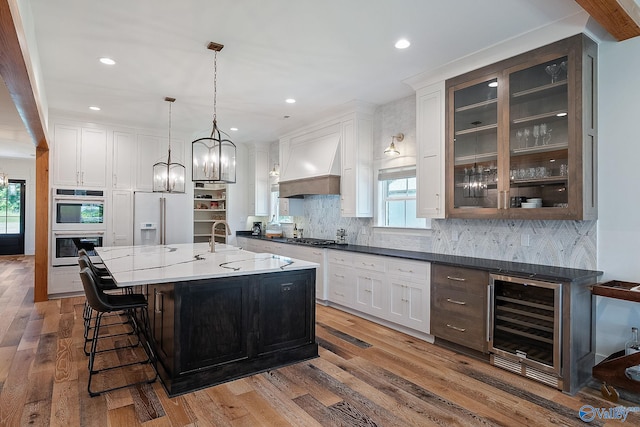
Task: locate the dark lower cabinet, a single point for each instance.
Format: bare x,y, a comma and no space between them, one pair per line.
210,331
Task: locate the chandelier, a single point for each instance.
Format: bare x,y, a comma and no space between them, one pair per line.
214,158
169,177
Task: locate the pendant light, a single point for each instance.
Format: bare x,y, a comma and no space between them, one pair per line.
214,158
391,150
275,171
4,180
169,177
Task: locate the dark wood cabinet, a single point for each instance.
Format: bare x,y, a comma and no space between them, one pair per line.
525,128
459,305
210,331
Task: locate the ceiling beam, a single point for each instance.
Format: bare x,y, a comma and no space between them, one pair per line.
621,22
16,71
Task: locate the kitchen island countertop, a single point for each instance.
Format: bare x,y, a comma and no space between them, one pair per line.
137,265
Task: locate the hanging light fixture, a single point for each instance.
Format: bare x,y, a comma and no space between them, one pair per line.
169,177
275,171
214,158
391,150
4,180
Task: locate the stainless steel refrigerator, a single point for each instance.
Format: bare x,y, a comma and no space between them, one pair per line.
161,218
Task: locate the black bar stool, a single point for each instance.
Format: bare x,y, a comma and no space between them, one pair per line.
103,303
104,283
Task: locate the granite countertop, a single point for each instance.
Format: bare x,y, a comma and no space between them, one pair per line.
509,268
136,265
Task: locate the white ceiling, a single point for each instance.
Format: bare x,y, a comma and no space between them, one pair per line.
322,53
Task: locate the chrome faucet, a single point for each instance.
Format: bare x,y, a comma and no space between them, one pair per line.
212,242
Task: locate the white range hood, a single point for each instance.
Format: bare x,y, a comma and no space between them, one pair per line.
311,163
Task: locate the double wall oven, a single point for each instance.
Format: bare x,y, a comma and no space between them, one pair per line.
77,222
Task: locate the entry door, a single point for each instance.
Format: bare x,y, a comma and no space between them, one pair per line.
12,218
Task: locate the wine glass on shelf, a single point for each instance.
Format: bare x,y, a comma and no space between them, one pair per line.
563,67
536,134
553,71
543,133
519,136
527,132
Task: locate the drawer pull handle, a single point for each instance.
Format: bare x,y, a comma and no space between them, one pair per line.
368,290
405,271
453,301
457,279
339,275
370,265
455,328
157,301
338,293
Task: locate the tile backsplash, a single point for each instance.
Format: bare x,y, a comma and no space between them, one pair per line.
558,243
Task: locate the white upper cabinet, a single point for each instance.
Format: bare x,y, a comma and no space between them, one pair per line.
124,156
356,180
80,156
430,115
259,181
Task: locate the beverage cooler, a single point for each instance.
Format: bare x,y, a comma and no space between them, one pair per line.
525,327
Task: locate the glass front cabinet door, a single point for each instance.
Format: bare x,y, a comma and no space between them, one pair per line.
521,136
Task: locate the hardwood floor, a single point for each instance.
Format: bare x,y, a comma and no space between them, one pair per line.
366,375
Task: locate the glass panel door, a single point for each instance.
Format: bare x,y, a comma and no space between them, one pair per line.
538,136
476,145
12,216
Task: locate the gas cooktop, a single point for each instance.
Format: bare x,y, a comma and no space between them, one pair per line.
312,242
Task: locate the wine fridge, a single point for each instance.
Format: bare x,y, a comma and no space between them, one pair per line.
525,327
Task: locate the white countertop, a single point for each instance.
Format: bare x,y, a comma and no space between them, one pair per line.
139,265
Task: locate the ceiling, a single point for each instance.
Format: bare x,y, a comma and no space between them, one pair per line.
324,54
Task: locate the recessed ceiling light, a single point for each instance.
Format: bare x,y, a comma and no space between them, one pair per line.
561,114
402,44
493,84
290,101
94,108
107,61
233,129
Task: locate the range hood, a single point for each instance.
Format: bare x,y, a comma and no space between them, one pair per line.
311,164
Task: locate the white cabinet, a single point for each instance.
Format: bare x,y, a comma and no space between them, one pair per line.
430,114
290,207
80,156
410,295
313,255
124,156
356,180
64,280
371,286
259,181
121,212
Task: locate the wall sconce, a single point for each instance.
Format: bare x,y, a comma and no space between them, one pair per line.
391,150
275,171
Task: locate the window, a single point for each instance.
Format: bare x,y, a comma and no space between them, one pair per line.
275,206
398,198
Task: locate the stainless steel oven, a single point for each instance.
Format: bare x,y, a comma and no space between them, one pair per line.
525,327
65,246
78,210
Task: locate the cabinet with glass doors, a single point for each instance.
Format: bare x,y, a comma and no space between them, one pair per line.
521,136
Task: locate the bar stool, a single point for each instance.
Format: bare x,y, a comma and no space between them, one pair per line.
101,304
104,283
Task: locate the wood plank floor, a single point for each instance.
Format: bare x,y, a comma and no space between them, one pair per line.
366,375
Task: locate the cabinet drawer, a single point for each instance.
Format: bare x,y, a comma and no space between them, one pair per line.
462,330
474,281
341,285
412,269
340,257
459,301
372,263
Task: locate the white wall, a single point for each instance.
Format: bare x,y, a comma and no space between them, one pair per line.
619,203
25,169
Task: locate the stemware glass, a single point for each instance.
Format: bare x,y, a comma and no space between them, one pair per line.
536,134
519,136
543,133
527,132
553,71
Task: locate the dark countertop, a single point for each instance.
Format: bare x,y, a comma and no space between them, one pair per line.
509,268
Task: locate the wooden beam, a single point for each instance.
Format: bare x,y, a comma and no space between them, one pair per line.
613,17
16,71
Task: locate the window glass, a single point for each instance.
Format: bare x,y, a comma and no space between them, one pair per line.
399,203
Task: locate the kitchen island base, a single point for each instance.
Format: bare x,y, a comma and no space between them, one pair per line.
206,332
